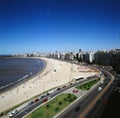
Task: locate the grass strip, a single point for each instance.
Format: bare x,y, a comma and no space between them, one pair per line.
88,85
14,107
53,107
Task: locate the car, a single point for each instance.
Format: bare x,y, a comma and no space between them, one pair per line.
102,82
99,89
49,98
104,101
99,101
75,91
77,81
13,113
70,83
64,86
31,102
48,94
26,111
42,96
77,108
36,100
105,84
58,89
51,91
44,100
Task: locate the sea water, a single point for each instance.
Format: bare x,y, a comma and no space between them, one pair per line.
14,70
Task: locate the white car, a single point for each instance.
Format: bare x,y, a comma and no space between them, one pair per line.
99,88
49,98
102,82
13,113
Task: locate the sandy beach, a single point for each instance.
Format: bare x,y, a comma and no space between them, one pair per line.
55,74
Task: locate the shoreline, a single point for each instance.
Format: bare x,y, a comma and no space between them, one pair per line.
43,81
18,82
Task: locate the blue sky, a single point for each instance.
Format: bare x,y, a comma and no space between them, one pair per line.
62,25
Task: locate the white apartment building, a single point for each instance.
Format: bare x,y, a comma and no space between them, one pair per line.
91,56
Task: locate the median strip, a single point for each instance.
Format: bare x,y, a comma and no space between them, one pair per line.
88,85
53,107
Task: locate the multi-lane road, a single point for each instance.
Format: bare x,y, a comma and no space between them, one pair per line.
56,92
99,98
79,106
99,110
72,112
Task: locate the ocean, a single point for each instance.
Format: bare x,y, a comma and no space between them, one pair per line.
15,70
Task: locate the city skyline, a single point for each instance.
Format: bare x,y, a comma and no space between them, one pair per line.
62,25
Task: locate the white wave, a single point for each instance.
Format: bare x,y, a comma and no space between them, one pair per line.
14,82
7,85
23,77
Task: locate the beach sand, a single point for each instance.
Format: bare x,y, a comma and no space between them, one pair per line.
55,74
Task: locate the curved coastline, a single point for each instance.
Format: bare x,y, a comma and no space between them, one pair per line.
43,81
22,80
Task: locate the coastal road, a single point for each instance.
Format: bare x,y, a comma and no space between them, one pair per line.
99,107
112,105
87,104
71,112
31,107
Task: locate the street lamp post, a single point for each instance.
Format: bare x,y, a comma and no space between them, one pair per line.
43,85
71,73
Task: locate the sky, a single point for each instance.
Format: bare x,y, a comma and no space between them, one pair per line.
58,25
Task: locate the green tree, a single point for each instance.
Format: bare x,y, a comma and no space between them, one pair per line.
60,103
47,106
57,108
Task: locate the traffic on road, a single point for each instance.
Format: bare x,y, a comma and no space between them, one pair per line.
46,97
